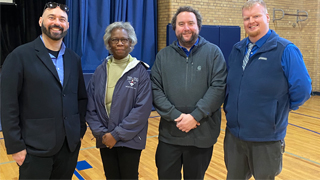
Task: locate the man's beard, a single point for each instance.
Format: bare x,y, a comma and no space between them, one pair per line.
192,40
254,34
53,36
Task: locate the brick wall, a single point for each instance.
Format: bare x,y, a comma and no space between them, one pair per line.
304,34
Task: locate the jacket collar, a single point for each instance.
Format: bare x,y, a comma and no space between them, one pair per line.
201,42
271,43
43,55
130,66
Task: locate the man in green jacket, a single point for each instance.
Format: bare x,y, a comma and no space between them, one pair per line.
188,83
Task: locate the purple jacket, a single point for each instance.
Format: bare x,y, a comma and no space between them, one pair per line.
130,108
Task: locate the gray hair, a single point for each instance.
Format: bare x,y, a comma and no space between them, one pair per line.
250,3
120,25
186,9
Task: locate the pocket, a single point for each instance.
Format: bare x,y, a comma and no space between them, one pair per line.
40,133
26,161
259,119
270,113
138,138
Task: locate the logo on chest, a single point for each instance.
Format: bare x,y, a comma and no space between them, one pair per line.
132,81
263,58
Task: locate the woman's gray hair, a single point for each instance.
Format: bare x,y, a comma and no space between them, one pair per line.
120,25
250,3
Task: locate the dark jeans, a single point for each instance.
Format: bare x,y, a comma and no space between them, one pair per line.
58,166
243,159
170,159
120,162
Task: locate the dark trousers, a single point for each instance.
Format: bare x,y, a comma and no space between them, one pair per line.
120,162
58,166
243,159
170,159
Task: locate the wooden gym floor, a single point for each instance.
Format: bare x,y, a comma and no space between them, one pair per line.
300,161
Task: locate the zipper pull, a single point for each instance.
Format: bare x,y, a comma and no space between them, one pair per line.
187,59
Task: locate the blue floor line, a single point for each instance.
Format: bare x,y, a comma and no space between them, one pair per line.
78,175
305,115
153,116
81,178
83,165
304,128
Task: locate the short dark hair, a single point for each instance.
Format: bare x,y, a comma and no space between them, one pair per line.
186,9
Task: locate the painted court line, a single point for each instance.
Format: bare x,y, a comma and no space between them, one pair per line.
153,116
152,136
83,165
304,128
78,175
87,148
300,157
7,162
305,115
81,178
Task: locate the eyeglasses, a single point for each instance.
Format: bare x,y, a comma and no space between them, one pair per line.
116,41
53,5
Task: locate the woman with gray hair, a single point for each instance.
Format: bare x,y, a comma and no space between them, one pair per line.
119,104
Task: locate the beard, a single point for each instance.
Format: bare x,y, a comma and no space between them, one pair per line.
254,34
184,42
53,36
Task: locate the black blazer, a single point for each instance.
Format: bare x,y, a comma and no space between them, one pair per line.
37,112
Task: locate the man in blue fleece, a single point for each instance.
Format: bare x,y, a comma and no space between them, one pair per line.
188,84
262,87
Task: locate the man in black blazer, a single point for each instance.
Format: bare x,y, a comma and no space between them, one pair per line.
44,101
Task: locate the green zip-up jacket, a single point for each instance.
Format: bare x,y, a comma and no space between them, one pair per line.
193,85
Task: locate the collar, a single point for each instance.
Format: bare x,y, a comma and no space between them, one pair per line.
185,49
191,47
261,41
62,50
121,61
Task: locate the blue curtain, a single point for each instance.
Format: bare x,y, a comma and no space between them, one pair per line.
89,19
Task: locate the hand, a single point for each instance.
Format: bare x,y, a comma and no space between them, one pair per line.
108,140
19,157
186,122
